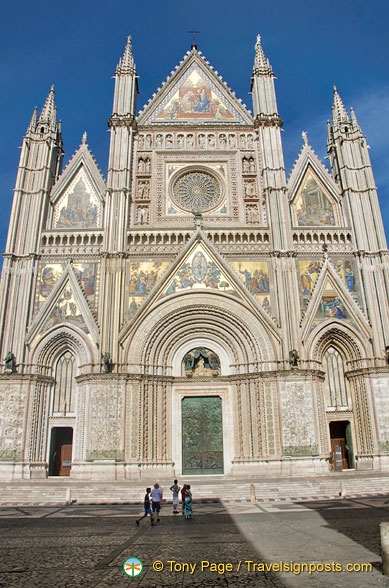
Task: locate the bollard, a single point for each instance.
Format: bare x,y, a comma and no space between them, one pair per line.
68,498
252,493
342,492
384,529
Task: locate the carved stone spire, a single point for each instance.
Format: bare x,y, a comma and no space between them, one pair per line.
339,113
49,110
261,63
126,63
32,126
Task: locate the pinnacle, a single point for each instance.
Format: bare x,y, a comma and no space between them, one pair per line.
32,125
339,113
126,64
49,110
261,63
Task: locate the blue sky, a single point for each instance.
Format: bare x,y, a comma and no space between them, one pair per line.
76,46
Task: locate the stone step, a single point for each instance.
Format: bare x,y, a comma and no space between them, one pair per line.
52,491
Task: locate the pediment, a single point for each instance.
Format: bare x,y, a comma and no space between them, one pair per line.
194,94
66,304
78,196
331,301
198,268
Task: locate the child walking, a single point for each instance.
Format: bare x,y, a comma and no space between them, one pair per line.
147,508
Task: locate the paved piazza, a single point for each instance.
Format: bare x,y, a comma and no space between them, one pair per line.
87,545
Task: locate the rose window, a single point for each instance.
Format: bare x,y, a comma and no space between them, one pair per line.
197,191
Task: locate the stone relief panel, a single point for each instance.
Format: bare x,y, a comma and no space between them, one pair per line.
381,400
13,402
255,276
313,206
199,271
105,422
79,207
298,420
143,275
49,273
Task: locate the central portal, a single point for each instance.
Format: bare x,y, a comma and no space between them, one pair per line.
202,435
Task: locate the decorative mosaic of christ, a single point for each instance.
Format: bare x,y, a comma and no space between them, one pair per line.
312,206
199,271
195,99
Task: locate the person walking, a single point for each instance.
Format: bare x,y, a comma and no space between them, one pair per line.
175,489
147,508
183,489
188,502
156,497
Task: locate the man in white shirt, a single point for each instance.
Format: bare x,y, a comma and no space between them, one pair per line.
156,496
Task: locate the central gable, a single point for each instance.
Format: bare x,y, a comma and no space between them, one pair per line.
194,95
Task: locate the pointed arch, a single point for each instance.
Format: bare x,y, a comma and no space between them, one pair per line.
56,343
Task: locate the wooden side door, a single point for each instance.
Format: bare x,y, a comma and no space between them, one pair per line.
66,460
342,444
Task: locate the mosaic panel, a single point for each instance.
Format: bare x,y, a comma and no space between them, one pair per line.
199,271
195,98
255,276
312,207
142,279
79,208
66,311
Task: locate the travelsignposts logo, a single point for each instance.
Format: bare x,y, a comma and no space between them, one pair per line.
132,566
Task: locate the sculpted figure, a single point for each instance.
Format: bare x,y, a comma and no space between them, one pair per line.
293,358
10,362
107,363
188,361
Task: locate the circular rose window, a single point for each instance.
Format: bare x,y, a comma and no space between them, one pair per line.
196,191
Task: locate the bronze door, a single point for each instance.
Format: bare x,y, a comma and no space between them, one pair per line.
202,435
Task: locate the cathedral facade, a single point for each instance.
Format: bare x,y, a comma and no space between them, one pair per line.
196,312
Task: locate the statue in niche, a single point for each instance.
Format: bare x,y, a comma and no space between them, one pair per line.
222,142
188,362
107,363
293,358
142,215
202,141
141,142
243,143
141,165
148,141
246,165
250,142
10,363
189,141
211,141
201,362
232,141
180,141
252,165
169,142
148,166
158,141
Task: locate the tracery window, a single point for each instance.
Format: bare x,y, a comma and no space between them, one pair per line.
63,401
335,382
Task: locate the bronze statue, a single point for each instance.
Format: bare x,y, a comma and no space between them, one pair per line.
10,363
188,361
107,363
293,357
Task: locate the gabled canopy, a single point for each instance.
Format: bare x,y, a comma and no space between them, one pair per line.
195,94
